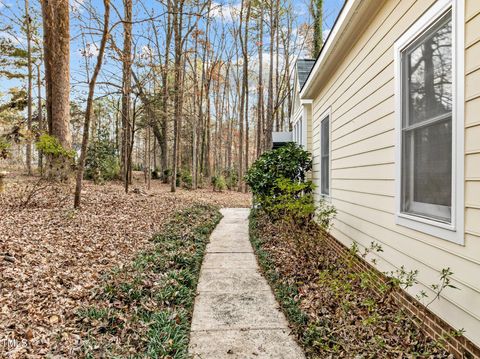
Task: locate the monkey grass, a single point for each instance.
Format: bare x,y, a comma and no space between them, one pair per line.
145,308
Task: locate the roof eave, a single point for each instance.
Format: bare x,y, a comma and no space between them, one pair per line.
348,11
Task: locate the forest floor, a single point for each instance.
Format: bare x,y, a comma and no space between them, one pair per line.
53,258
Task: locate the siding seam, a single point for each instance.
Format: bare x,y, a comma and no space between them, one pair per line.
364,112
372,78
471,17
469,259
472,124
359,128
362,192
473,233
472,70
471,44
361,140
360,179
423,284
363,166
336,118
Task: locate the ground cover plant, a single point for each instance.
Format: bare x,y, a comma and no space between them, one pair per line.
335,309
54,258
146,306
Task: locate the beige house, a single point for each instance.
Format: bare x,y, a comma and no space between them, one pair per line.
395,101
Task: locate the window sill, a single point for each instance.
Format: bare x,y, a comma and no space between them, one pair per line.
437,229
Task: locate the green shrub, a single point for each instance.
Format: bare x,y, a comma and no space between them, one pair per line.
178,180
218,183
325,213
290,161
280,188
294,203
187,181
156,174
102,163
51,146
137,167
4,148
231,178
166,174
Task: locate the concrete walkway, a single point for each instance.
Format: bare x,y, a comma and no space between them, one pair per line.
236,315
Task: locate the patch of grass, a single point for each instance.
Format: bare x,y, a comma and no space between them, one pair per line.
146,307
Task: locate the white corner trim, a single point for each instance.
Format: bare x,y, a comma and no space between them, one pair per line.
453,232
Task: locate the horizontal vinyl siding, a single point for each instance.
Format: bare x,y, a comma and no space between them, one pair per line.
472,121
309,128
360,95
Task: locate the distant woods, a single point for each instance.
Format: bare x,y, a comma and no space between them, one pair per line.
187,91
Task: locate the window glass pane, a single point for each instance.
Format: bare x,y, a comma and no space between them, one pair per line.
428,170
428,63
427,123
325,156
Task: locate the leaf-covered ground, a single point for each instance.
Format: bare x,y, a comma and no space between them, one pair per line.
335,311
53,258
145,308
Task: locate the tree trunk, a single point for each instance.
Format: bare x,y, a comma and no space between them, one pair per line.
89,111
29,87
126,91
177,26
40,116
260,105
244,94
316,10
56,26
163,141
195,118
270,114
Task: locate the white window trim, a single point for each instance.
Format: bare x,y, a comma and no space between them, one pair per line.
305,127
327,113
453,232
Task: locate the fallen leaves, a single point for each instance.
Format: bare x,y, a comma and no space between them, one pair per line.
52,258
334,310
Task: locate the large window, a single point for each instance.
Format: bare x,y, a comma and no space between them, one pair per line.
430,108
427,123
325,155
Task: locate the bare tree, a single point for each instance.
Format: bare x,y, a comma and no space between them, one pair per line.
89,111
126,92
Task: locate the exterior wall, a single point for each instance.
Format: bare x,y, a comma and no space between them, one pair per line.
303,114
472,119
308,127
360,94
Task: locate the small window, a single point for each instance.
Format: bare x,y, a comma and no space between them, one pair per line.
426,75
325,155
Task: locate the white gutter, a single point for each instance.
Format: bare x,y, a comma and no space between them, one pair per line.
345,16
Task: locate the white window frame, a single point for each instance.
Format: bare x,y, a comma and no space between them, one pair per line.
453,231
327,113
